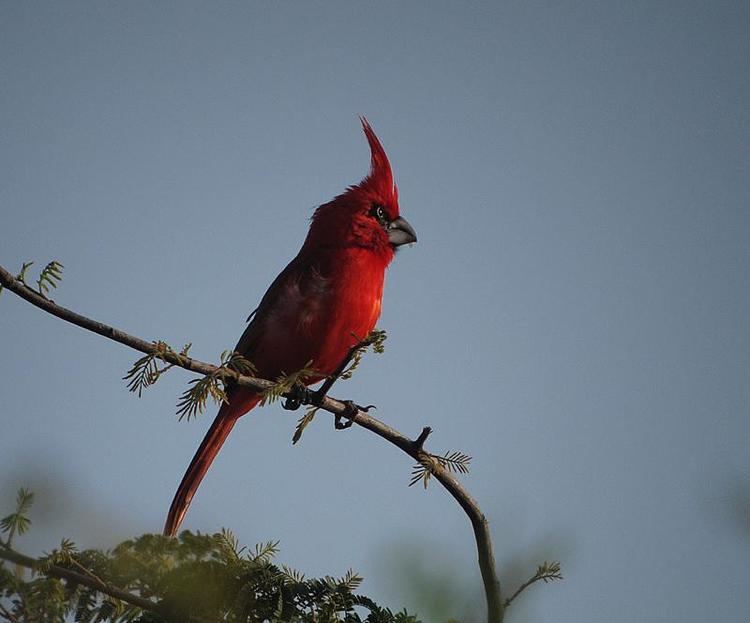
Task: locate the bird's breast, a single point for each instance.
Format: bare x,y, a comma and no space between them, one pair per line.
321,317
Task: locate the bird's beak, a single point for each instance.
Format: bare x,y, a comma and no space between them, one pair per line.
400,232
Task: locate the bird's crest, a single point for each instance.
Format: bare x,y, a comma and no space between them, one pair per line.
380,177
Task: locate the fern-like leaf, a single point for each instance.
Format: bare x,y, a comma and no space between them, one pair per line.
265,552
351,581
376,340
285,383
50,274
64,555
193,400
229,545
302,424
142,374
549,571
21,276
456,462
236,362
292,575
378,337
214,385
18,522
423,471
145,372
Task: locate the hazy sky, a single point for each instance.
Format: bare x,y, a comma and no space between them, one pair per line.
574,316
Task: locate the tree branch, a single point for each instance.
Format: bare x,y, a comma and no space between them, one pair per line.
62,573
486,557
547,572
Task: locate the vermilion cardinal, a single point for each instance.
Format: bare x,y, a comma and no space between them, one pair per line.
319,307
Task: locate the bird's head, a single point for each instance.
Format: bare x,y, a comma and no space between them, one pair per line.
365,215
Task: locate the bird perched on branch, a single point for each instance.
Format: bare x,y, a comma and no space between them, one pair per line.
319,307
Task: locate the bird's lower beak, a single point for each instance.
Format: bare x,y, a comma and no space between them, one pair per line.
400,232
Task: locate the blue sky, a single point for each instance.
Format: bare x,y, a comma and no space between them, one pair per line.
574,316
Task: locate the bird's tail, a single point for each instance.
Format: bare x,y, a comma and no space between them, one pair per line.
204,456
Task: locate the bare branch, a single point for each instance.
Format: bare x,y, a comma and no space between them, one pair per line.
486,557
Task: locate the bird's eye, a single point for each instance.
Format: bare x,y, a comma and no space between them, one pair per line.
378,213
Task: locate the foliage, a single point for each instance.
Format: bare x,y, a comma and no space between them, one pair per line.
214,385
17,522
51,273
145,372
302,423
192,578
456,462
376,339
285,383
48,277
546,572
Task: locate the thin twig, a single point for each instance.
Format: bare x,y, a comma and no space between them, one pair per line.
547,572
486,557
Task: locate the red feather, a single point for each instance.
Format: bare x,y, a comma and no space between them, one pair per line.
328,294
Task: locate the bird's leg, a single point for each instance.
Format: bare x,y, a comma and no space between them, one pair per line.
321,392
351,407
300,395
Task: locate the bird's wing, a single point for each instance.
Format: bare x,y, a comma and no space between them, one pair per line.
297,285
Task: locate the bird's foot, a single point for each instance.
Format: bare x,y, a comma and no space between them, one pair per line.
299,395
350,412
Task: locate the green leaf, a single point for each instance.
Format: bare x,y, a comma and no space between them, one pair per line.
376,340
456,462
285,383
193,400
145,372
50,274
18,522
302,423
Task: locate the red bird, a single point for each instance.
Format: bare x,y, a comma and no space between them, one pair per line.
317,308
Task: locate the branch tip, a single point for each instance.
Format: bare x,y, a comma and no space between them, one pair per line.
418,443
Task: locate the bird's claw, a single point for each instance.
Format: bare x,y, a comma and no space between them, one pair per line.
341,425
299,395
350,411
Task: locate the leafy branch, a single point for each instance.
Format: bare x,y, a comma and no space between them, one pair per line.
195,578
17,522
443,473
285,383
546,572
213,385
264,552
456,462
146,371
21,276
376,340
47,279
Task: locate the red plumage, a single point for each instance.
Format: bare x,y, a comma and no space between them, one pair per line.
328,294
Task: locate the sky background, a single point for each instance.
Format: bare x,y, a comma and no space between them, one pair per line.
574,316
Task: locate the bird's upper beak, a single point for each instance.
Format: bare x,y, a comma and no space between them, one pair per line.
400,232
